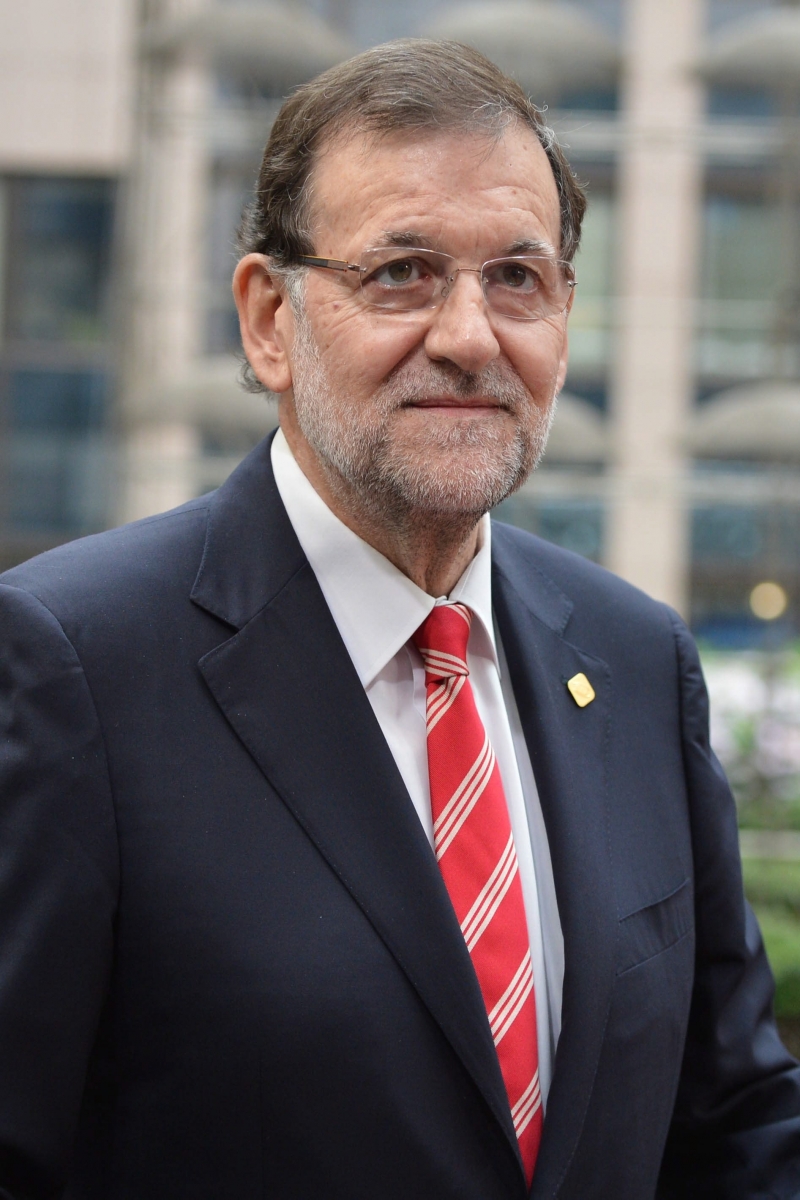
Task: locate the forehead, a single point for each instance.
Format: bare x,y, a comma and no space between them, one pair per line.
464,193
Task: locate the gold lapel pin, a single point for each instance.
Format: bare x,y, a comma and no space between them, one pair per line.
581,690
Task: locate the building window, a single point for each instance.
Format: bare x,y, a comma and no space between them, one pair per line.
55,368
739,287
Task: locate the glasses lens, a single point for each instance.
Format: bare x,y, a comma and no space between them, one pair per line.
401,279
527,288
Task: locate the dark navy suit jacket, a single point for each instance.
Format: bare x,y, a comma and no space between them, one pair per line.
229,968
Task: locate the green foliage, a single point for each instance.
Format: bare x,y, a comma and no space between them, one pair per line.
755,730
782,939
773,884
773,888
768,811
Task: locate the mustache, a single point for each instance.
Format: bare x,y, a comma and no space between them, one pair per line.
410,383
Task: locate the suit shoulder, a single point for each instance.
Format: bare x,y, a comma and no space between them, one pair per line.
154,555
598,600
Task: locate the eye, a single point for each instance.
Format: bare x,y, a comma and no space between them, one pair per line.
399,279
515,275
399,272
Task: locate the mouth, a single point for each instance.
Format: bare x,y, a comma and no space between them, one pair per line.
458,406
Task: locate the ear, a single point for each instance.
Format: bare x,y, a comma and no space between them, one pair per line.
265,320
564,358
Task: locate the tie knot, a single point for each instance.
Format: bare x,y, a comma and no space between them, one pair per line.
442,641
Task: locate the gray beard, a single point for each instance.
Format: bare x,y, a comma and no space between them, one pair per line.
476,464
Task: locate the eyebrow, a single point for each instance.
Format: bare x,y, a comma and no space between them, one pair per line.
531,246
412,237
406,237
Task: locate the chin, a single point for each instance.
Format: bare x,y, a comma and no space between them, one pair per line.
459,480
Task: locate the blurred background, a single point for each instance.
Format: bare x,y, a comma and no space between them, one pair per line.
130,134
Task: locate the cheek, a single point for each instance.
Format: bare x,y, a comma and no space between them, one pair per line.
363,354
537,361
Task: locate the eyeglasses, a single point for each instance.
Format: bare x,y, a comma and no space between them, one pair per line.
524,287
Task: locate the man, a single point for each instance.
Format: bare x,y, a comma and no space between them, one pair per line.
344,835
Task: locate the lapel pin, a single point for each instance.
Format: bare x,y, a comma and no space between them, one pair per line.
581,690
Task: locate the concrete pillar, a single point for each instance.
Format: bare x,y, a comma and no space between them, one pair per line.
160,458
659,209
165,248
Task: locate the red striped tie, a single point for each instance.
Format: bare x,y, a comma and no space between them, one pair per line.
475,851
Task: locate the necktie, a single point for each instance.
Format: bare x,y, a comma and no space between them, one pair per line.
475,850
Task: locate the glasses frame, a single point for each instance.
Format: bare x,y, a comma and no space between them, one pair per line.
340,264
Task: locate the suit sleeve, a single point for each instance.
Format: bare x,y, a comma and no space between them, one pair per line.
58,887
736,1129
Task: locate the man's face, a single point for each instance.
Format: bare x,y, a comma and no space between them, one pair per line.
438,411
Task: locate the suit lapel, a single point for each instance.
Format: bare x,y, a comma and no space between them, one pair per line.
568,749
287,686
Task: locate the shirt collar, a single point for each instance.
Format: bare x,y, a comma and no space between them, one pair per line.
375,606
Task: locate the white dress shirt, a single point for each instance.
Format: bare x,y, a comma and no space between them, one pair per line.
377,609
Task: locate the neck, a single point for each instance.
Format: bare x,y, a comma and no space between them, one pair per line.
432,548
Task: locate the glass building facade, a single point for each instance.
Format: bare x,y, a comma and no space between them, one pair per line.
60,342
56,359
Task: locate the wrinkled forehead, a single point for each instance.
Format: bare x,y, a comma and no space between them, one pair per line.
366,183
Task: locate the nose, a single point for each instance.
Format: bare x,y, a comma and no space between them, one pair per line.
460,331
